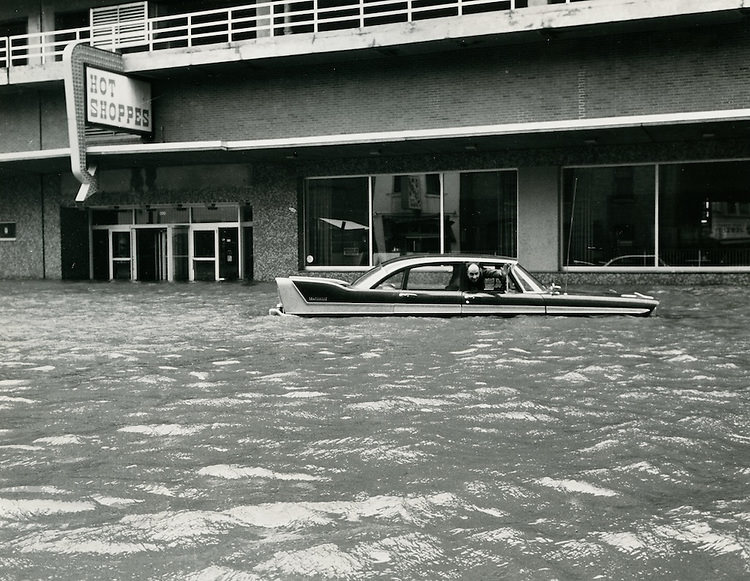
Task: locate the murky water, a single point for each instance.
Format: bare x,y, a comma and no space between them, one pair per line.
178,432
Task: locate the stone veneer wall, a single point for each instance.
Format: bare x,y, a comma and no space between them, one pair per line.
52,239
275,222
21,202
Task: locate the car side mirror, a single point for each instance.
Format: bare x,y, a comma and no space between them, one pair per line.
554,289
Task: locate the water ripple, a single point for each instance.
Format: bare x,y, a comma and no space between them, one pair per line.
174,432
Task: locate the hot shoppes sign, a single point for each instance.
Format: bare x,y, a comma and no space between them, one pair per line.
117,101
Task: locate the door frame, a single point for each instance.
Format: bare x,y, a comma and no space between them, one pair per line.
166,257
214,227
241,229
111,230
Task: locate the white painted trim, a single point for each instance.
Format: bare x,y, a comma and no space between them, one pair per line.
33,155
532,127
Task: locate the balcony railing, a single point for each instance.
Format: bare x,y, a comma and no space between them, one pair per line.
264,19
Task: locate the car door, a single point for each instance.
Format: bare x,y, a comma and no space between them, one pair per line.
504,296
424,292
502,303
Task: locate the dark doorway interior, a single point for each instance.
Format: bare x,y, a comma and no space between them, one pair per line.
74,244
151,254
100,240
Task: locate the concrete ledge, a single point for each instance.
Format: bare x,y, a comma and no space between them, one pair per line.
419,35
416,36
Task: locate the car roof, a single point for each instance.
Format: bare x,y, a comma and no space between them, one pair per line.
433,258
390,266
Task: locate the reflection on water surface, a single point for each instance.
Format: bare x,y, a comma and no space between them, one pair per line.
178,432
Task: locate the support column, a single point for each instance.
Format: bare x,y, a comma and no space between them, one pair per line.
539,218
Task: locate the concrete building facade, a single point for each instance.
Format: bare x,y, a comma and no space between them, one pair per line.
599,138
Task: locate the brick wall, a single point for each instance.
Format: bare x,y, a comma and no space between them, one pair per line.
686,70
637,74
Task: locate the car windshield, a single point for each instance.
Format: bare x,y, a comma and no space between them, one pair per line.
527,282
373,273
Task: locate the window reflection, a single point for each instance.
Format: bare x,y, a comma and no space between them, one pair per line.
481,210
609,216
121,244
704,214
411,214
336,222
406,215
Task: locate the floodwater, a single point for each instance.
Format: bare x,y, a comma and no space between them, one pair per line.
178,432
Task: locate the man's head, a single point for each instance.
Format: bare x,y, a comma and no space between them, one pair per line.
473,272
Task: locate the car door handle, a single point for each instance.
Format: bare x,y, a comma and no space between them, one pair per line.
407,294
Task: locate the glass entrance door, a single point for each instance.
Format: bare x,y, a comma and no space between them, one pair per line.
171,244
111,254
120,267
215,253
204,253
151,254
229,263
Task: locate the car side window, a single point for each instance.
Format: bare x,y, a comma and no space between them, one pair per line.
395,281
430,278
494,279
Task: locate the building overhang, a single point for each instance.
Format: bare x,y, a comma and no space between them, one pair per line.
570,134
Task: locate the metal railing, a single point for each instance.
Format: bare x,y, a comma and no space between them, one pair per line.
227,25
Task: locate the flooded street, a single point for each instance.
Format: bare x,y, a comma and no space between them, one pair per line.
178,432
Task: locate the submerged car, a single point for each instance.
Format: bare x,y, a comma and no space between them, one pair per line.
440,285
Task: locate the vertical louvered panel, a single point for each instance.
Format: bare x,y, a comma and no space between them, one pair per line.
122,25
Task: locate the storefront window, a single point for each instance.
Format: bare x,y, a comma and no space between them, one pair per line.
336,222
480,212
406,215
409,214
608,217
704,214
